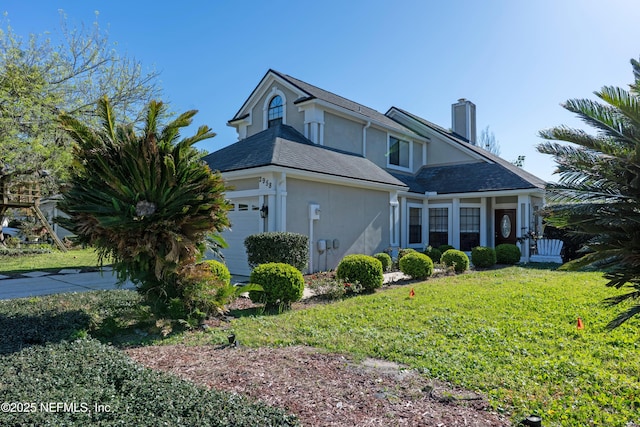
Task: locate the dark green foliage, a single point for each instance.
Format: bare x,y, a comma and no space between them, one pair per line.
364,269
416,265
456,259
405,251
282,284
433,253
278,246
507,253
597,197
52,318
385,259
87,372
145,200
219,270
483,257
445,248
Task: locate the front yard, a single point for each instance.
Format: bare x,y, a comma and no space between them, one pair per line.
509,334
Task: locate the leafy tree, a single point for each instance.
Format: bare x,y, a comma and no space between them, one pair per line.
598,194
44,75
148,202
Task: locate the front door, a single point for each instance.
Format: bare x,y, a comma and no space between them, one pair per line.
505,226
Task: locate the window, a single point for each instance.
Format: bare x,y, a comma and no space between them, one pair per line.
398,152
415,225
469,228
438,227
274,115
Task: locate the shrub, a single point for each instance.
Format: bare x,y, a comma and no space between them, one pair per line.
85,371
433,253
507,253
279,247
385,259
366,270
483,257
142,197
445,248
282,284
416,265
405,251
219,270
328,287
456,259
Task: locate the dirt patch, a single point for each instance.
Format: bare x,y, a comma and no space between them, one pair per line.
325,389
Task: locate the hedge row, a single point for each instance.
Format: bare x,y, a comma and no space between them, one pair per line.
85,373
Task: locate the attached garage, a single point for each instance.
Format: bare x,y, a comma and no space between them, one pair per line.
245,220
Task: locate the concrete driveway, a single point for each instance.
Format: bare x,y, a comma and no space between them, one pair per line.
67,280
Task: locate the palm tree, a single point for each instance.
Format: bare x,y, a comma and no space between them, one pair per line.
146,201
598,193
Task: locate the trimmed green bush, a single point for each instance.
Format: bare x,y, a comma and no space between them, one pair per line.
385,259
416,265
445,248
507,253
456,259
85,372
433,253
282,284
483,257
219,270
405,251
280,247
364,269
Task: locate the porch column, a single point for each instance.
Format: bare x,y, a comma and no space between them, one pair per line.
394,227
404,223
425,221
523,224
281,203
455,227
484,225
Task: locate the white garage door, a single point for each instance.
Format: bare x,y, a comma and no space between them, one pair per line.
245,220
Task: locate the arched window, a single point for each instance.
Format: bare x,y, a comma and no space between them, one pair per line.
274,115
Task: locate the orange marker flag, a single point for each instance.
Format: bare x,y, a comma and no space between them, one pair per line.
412,293
580,324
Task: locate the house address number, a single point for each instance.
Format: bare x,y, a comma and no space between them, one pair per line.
265,183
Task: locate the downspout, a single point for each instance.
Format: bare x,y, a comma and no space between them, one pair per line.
364,138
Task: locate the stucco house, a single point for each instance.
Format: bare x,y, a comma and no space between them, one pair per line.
358,181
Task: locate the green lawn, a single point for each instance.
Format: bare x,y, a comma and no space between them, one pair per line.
54,260
509,333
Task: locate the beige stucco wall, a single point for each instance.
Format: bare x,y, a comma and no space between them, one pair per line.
342,133
441,152
294,118
358,218
377,146
243,184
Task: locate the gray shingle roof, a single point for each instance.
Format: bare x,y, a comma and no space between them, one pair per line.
284,146
313,92
495,174
465,178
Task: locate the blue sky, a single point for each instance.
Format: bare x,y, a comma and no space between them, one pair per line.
516,60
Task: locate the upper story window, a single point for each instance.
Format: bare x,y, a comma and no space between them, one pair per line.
274,114
399,153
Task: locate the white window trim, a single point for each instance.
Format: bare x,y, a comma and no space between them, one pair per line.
420,206
396,167
482,233
449,208
265,107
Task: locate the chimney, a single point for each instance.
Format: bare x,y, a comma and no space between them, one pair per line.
463,119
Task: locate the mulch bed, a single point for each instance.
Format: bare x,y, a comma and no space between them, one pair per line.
323,389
